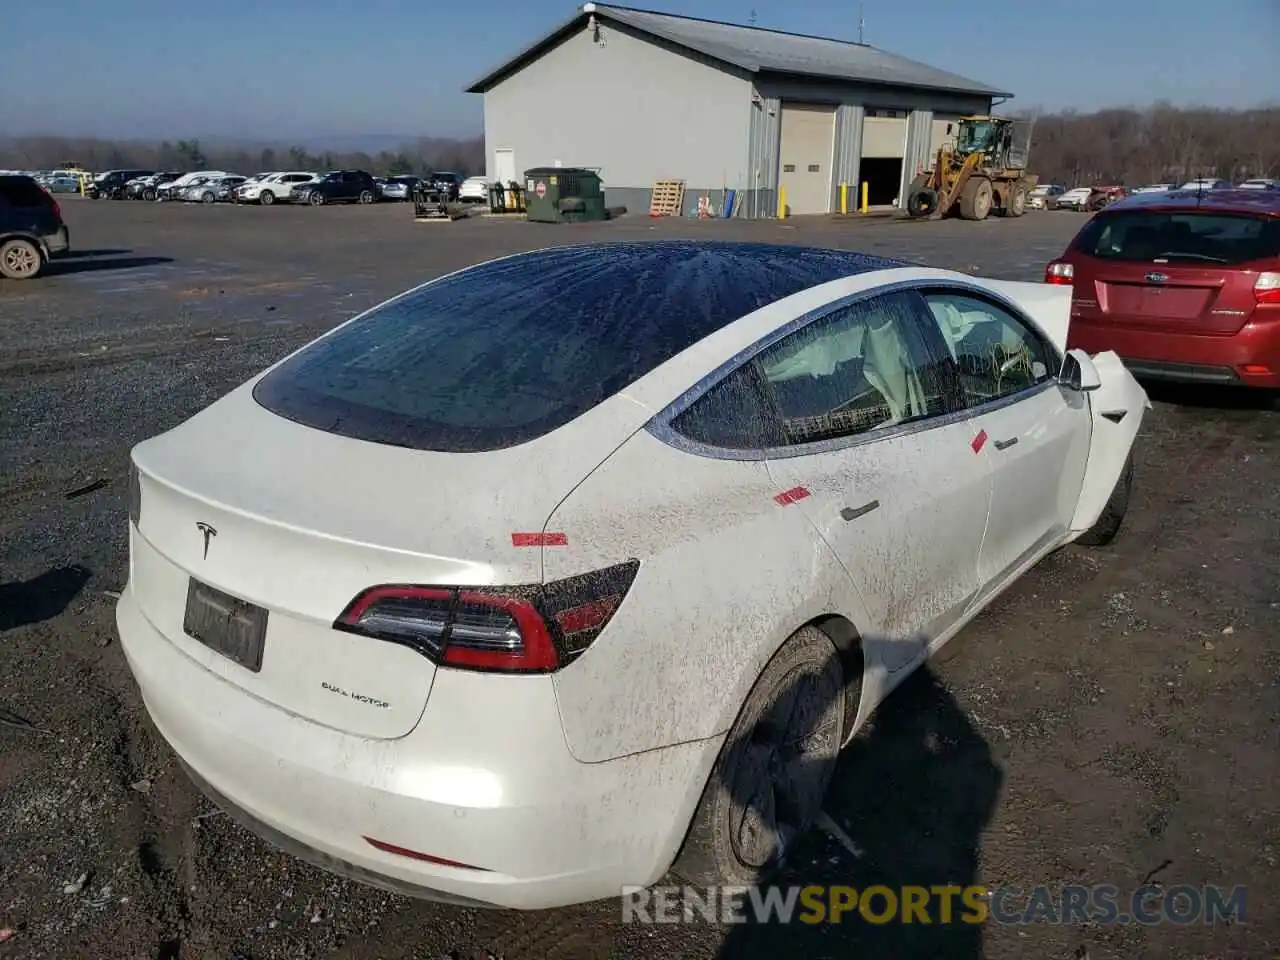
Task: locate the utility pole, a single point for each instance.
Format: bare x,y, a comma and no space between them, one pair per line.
862,23
752,19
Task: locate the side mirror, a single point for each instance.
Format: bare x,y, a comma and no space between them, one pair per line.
1078,372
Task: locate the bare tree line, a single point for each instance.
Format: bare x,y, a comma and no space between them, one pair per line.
1158,144
1120,145
417,156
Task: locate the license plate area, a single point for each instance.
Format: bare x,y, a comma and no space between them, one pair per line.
226,624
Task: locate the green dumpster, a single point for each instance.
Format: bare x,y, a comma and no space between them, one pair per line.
563,195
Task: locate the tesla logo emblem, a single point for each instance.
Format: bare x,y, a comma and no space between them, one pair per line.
1157,277
208,533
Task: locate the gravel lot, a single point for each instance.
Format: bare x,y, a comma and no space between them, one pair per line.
1112,718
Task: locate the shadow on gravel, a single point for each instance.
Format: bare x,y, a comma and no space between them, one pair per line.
913,793
62,267
1210,396
105,252
40,598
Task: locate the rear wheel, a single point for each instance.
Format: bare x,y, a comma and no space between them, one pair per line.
975,199
317,199
149,193
207,197
1112,517
768,785
366,196
20,260
1016,205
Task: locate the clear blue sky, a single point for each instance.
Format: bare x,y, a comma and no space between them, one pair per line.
289,69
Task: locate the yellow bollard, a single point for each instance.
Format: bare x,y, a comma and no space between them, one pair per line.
844,198
865,187
782,203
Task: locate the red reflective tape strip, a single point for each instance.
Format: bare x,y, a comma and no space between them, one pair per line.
539,540
791,496
979,441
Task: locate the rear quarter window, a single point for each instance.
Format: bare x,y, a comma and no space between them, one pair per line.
1222,238
22,192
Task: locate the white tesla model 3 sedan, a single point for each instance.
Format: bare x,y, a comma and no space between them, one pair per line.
572,566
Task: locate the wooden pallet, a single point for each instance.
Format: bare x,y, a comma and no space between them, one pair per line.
667,199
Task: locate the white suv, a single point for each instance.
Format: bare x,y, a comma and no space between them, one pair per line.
273,187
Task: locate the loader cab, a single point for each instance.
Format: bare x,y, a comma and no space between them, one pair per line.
1003,142
977,135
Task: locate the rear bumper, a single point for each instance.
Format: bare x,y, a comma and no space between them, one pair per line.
485,779
1250,358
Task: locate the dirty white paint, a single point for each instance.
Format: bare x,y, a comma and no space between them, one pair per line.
571,786
1111,442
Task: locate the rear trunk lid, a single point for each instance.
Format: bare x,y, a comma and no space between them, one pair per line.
1174,271
299,521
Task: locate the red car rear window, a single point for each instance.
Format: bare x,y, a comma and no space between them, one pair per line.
1142,235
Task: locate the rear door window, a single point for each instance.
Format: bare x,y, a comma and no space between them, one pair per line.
1146,236
866,367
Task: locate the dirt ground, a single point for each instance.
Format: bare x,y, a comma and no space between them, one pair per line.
1112,720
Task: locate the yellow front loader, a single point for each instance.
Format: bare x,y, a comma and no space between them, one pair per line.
983,170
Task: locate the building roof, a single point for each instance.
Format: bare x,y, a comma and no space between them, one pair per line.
755,50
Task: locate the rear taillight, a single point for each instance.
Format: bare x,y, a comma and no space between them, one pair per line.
536,629
1267,288
1059,273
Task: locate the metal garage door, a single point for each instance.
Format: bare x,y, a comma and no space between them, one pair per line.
808,138
884,136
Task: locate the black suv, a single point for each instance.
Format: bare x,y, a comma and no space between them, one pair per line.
338,186
111,185
31,228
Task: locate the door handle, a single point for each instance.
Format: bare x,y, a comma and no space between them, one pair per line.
1006,444
851,513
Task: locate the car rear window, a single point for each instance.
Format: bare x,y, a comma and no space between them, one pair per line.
22,192
1223,238
508,351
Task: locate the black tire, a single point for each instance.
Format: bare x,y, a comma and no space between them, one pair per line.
149,193
922,203
20,260
1112,517
366,196
976,198
207,197
266,198
316,199
722,847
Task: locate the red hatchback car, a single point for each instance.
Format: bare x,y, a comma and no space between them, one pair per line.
1183,285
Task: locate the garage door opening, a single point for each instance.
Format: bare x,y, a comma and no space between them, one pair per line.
884,145
883,177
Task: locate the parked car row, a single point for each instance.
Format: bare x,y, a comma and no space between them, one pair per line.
1052,196
284,186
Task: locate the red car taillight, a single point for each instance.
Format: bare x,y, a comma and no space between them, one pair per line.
535,629
1267,288
1059,273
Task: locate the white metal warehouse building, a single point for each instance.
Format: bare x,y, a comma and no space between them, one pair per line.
646,96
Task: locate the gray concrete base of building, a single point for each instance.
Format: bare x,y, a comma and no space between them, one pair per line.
747,203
